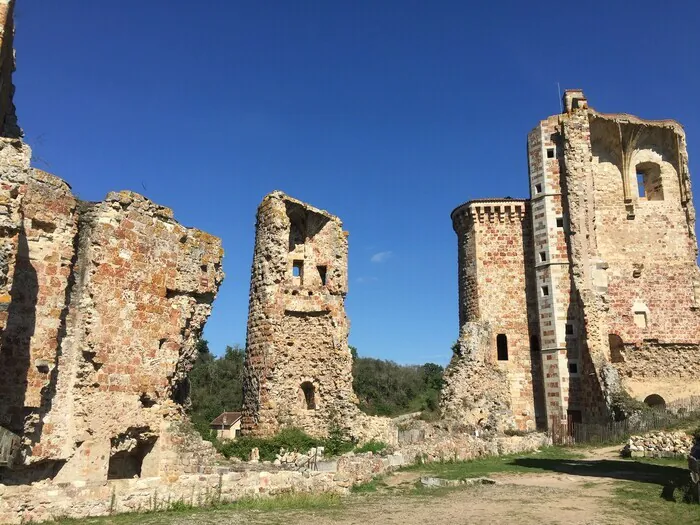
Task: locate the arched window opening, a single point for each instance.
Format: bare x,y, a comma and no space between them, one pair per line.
655,401
649,181
502,347
309,395
535,344
616,348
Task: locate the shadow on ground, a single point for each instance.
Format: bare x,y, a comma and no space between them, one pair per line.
668,477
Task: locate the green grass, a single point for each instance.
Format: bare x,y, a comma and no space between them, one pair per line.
371,446
488,465
371,486
281,503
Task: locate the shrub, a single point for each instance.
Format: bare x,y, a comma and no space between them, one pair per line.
288,438
371,446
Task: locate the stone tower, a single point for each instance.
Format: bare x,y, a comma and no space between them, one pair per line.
298,364
592,284
496,300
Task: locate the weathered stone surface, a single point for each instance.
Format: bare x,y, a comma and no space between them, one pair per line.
106,302
659,444
298,364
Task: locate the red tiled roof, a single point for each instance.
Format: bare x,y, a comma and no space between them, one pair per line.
226,419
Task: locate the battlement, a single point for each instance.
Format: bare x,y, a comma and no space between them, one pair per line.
490,210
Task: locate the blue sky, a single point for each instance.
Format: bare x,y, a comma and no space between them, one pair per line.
386,113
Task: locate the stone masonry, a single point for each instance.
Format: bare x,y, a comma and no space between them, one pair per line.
592,284
101,304
298,365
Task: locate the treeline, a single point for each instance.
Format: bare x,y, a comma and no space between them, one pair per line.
383,387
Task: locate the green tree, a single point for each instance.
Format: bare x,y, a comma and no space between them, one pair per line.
216,384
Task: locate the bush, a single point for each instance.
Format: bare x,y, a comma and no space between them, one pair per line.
371,446
624,405
288,438
336,443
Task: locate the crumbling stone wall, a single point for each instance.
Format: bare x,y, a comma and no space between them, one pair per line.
298,369
492,379
104,304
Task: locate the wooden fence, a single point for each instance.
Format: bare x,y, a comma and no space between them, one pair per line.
673,414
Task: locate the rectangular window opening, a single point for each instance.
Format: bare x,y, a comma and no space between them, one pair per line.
502,347
322,274
641,185
573,368
551,153
569,329
538,188
543,256
640,319
545,291
298,269
560,222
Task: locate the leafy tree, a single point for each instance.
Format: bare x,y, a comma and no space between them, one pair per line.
216,384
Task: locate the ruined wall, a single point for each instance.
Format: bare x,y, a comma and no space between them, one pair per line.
8,119
494,291
298,364
105,304
646,250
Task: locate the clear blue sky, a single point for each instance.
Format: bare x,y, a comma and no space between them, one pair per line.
386,113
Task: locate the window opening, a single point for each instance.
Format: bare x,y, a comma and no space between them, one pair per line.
569,329
649,181
538,188
640,319
298,269
322,274
545,291
640,184
560,222
573,368
550,153
502,347
309,395
543,256
617,348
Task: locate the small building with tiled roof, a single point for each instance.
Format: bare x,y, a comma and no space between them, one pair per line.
227,425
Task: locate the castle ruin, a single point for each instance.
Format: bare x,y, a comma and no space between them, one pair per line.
298,364
588,288
101,304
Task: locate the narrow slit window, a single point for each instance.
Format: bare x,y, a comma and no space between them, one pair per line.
545,291
502,347
309,395
322,271
543,256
